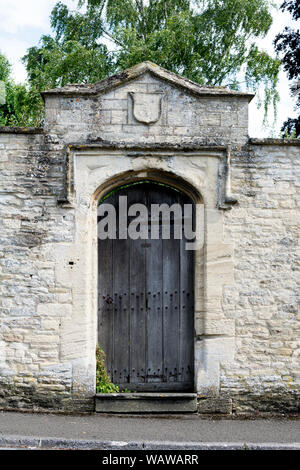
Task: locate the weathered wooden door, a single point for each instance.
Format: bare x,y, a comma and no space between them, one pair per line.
146,311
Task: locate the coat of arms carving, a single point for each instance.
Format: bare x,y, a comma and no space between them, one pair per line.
146,106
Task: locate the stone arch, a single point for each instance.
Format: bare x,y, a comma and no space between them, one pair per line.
152,174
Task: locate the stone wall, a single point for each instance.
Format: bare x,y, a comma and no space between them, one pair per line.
31,178
249,329
264,300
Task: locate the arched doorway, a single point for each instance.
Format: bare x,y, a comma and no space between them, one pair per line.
146,297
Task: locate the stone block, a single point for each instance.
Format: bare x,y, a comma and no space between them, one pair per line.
146,403
52,310
215,406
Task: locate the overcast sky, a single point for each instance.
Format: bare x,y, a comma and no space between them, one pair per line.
22,22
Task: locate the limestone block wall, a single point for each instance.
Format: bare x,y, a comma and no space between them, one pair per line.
31,223
264,299
45,358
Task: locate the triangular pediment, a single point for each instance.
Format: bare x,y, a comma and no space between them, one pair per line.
137,71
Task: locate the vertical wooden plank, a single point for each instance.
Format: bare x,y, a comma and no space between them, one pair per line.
171,267
154,293
121,302
105,295
105,318
137,299
186,331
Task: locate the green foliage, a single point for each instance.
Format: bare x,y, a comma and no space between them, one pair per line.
73,55
53,64
291,128
18,106
2,93
211,42
261,69
103,382
5,68
287,45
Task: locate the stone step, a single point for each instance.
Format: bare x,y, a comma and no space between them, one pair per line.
146,403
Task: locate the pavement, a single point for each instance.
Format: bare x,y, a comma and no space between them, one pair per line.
108,432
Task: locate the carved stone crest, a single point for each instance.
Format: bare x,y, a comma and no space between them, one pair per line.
146,106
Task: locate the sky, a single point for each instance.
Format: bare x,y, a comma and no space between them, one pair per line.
23,22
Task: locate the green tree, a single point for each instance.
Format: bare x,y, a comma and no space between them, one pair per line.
18,105
212,42
73,55
5,68
287,44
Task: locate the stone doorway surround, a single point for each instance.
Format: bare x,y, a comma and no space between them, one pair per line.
203,174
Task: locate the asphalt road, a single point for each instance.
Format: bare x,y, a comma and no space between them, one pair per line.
175,429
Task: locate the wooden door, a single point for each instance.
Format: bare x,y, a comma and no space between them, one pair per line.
146,297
